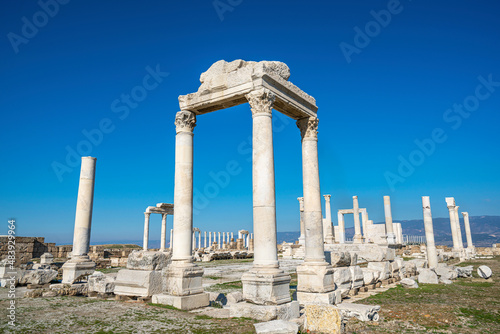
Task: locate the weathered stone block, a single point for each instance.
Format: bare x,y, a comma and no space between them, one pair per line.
427,276
323,319
285,311
148,260
276,327
141,283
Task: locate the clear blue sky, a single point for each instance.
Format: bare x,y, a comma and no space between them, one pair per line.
377,91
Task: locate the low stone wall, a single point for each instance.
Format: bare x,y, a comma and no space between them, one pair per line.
27,248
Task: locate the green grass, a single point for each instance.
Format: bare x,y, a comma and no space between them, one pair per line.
169,307
109,270
480,315
212,277
203,317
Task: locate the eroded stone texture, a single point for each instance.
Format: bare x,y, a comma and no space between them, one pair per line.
100,283
38,276
409,283
464,271
428,276
276,327
323,319
285,311
148,260
383,267
360,311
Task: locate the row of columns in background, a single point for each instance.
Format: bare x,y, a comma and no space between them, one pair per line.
356,210
456,231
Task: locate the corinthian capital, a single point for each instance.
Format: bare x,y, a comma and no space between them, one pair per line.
185,121
327,197
308,127
261,101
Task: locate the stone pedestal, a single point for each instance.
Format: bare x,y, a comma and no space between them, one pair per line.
266,287
138,283
183,302
76,269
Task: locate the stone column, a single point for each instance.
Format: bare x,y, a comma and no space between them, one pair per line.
364,223
340,217
459,229
467,230
315,275
389,227
199,239
327,226
265,283
302,237
209,239
163,232
171,238
183,278
450,202
357,239
194,240
205,239
145,241
219,243
80,263
429,233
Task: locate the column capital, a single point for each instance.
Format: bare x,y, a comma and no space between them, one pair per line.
261,101
147,214
185,121
308,127
327,197
465,214
301,203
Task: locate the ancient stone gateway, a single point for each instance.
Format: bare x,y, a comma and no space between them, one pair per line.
265,87
164,209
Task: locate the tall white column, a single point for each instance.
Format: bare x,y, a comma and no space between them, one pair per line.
315,275
171,238
467,230
205,239
199,239
80,263
209,239
219,243
232,236
265,283
450,202
459,229
145,241
429,233
389,227
340,217
357,239
302,237
327,223
364,223
185,121
194,240
163,232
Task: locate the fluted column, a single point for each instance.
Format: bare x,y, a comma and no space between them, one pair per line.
450,202
185,121
163,232
84,206
171,238
268,289
357,239
429,233
327,223
459,229
145,241
302,237
467,230
313,218
264,199
389,227
340,217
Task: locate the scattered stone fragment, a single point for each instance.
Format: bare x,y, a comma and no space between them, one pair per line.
38,276
148,260
323,319
359,311
446,272
234,297
464,271
409,283
276,327
484,272
428,276
98,282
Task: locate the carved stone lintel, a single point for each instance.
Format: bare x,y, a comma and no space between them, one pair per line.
185,121
308,127
261,101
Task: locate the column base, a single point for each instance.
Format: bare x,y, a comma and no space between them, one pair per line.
190,302
326,298
75,268
329,239
266,286
139,283
315,278
183,279
285,311
357,239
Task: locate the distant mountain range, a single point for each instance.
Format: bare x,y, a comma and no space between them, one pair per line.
485,232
